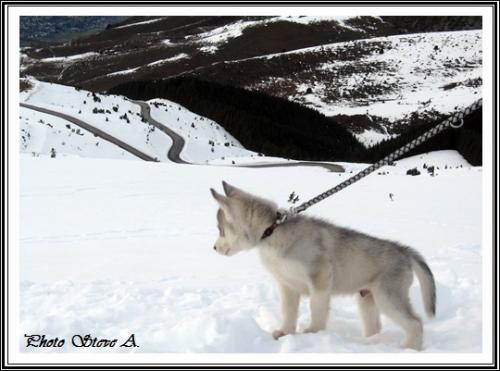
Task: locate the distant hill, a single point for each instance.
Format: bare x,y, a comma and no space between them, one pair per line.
43,30
277,127
159,47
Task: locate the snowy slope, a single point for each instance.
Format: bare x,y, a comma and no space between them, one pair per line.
113,114
112,248
40,133
213,39
122,119
205,140
420,72
389,79
442,161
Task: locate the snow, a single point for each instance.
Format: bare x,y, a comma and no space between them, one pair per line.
444,160
167,42
172,59
110,248
427,74
223,34
341,20
310,19
70,58
139,23
81,104
209,49
124,72
417,70
205,140
41,132
197,131
371,137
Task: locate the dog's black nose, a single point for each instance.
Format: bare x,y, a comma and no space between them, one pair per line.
215,248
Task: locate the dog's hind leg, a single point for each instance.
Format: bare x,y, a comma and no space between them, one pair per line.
369,313
290,300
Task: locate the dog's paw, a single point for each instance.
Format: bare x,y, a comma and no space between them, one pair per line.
278,333
312,330
412,345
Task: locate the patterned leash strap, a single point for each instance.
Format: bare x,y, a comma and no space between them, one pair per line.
455,121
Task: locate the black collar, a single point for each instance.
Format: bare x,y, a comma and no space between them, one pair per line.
269,230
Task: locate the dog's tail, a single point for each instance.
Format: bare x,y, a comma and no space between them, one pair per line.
427,284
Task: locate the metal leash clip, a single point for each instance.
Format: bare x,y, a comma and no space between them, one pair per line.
459,125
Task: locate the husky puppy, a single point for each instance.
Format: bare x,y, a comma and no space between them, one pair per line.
309,256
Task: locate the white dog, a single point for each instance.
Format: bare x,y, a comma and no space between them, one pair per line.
308,256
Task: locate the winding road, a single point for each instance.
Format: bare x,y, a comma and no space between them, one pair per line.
93,130
178,142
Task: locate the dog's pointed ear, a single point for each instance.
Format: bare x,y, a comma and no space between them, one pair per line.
229,190
218,197
223,202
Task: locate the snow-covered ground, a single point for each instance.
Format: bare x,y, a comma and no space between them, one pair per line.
371,137
115,115
140,23
433,71
174,58
205,140
216,37
391,78
111,113
70,58
110,248
40,133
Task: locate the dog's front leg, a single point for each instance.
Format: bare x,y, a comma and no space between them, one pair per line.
289,310
320,305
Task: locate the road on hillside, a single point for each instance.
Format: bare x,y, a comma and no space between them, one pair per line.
93,130
178,144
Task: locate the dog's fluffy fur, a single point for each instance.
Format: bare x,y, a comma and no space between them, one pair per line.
308,256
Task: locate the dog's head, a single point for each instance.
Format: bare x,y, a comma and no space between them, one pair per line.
242,219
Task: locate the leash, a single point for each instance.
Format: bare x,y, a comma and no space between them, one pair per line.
455,121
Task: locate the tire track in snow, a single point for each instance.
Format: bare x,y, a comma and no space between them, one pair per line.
98,132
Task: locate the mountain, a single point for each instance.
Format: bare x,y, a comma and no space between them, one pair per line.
143,47
44,30
376,76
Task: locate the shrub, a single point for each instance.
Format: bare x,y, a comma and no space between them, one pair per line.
413,172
